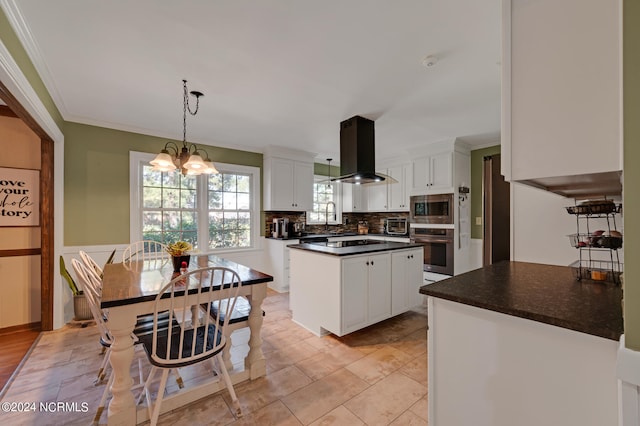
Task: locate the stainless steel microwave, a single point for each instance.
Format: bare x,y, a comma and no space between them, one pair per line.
437,208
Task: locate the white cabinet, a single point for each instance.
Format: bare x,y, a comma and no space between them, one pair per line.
406,279
288,184
377,197
561,89
433,173
397,193
366,293
354,198
387,196
277,254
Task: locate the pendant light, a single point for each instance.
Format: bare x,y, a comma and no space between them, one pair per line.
188,157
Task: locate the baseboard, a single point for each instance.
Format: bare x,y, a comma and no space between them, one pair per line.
36,326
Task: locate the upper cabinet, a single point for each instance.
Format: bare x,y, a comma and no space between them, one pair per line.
433,174
354,198
288,181
561,89
388,196
398,194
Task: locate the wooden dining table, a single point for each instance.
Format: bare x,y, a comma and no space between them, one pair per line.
130,290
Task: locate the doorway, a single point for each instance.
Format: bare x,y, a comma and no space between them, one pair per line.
496,206
46,235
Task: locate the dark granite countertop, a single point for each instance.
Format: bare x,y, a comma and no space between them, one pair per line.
545,293
378,246
336,235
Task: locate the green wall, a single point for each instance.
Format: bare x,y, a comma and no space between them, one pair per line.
96,180
477,160
13,45
631,84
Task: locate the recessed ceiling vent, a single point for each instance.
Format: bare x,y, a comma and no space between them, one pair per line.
357,152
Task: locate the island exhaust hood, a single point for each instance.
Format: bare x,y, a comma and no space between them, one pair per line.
357,153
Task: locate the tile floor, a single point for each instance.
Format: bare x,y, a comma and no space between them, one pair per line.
377,376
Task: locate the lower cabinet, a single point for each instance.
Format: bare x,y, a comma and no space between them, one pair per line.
366,294
406,279
342,294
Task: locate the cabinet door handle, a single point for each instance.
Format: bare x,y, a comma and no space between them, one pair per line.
367,263
372,263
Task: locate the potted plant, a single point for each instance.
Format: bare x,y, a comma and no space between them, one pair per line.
179,252
81,310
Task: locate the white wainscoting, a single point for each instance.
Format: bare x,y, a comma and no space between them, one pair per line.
475,253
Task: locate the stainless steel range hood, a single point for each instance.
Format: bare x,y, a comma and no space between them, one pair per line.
357,152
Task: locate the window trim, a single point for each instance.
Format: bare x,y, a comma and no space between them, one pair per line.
135,197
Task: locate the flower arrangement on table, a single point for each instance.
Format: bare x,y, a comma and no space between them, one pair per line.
179,248
179,252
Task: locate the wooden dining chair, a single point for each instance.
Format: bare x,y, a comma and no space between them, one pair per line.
204,339
90,286
146,251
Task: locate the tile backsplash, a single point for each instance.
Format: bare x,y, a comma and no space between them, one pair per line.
349,221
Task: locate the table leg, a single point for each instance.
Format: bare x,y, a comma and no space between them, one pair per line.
122,408
254,362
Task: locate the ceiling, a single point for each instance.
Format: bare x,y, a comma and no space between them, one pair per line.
274,72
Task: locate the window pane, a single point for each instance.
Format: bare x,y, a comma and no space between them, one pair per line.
229,200
215,200
229,182
171,221
151,177
188,199
171,180
152,221
151,197
215,182
170,198
244,183
244,201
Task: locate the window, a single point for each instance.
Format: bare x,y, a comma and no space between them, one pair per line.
213,212
323,193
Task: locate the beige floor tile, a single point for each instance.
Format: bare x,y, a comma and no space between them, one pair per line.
337,417
386,400
325,363
408,419
315,400
289,355
379,364
207,411
310,379
274,414
417,369
261,392
421,408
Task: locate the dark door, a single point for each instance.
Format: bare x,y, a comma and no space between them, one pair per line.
496,211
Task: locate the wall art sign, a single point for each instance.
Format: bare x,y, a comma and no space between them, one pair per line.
19,197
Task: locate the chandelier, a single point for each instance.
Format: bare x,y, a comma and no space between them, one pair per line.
189,157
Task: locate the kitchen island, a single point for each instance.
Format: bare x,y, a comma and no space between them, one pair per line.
523,343
343,286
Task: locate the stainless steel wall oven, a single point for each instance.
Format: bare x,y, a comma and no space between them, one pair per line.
438,248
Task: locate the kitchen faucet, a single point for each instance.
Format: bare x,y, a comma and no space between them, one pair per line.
326,214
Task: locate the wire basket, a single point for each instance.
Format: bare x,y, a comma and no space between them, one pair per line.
595,241
597,270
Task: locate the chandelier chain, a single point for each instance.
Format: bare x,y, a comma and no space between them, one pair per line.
186,107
